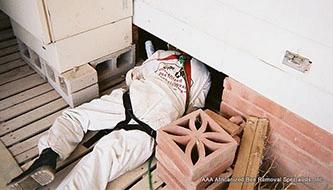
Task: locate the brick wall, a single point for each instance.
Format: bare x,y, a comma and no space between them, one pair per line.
298,147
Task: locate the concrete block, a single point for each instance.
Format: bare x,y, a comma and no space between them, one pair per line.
182,179
168,178
197,145
114,65
30,57
76,86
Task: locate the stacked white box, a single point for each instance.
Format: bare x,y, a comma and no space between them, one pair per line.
63,37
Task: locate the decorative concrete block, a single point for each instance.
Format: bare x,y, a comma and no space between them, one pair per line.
168,178
197,146
173,182
164,160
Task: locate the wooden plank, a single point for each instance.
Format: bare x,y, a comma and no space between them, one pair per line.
6,34
15,74
27,155
28,105
9,50
24,96
144,182
32,116
10,57
257,152
20,85
30,130
26,145
122,182
243,154
11,65
250,153
8,166
227,125
8,43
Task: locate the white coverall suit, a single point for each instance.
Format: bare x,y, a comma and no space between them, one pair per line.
158,97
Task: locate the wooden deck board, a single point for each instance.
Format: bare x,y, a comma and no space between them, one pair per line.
30,130
25,96
6,34
25,145
8,167
27,155
4,24
122,182
20,85
11,65
9,50
32,116
144,182
8,43
28,107
15,74
10,57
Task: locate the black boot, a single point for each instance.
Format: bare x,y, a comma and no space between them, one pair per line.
42,170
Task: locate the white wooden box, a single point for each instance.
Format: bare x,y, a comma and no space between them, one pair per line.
53,20
80,49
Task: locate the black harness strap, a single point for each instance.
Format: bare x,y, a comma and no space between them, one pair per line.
124,124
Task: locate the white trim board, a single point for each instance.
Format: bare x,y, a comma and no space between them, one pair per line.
286,88
263,37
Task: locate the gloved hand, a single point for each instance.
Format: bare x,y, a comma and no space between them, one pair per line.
137,75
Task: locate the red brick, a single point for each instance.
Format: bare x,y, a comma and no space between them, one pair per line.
256,98
307,128
310,145
300,146
238,120
286,167
229,110
195,138
226,84
321,154
227,125
242,105
309,165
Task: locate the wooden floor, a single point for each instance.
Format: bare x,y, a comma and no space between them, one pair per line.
28,107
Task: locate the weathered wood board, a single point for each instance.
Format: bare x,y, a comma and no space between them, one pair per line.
250,154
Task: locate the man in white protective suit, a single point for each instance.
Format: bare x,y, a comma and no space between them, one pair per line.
159,92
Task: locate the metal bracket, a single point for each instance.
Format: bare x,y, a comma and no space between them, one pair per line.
297,62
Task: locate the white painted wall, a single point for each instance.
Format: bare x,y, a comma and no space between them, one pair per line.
247,40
